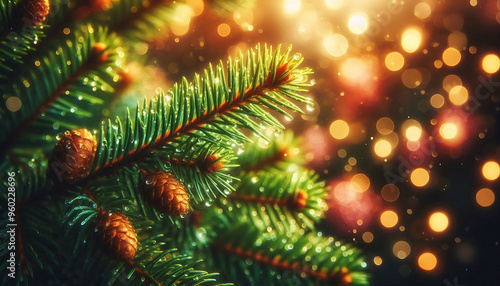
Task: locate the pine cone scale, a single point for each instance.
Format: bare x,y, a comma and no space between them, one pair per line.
166,194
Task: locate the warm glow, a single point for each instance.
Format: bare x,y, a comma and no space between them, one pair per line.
410,41
358,24
451,81
367,237
485,197
223,30
389,219
13,103
411,78
360,182
419,177
427,261
356,71
491,63
491,170
334,4
385,125
437,100
390,192
339,129
394,61
336,45
448,130
292,6
377,260
401,249
382,148
451,57
413,133
458,95
422,10
438,221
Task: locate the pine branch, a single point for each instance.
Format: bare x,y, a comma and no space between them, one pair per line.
64,81
316,259
280,152
279,200
209,109
21,30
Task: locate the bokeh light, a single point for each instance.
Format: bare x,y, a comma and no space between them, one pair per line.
422,10
411,40
223,30
485,197
491,170
339,129
437,100
427,261
292,6
13,103
448,130
401,249
358,24
413,133
334,4
451,57
360,182
491,63
389,218
438,221
390,192
411,78
394,61
367,237
377,260
419,177
336,45
458,95
382,148
385,125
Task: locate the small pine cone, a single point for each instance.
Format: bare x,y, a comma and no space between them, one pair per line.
73,155
117,236
165,193
36,11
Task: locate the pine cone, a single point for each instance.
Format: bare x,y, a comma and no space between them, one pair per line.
165,193
117,236
36,11
73,156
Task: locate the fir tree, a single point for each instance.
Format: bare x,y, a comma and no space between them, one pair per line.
172,191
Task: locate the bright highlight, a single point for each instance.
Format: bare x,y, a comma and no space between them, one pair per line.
438,222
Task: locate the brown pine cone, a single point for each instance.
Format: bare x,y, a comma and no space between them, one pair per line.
36,11
73,156
167,195
117,236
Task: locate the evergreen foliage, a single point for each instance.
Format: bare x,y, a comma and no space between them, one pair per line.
253,209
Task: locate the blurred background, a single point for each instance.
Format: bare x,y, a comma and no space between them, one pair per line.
405,123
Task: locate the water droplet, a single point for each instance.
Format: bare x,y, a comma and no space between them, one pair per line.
313,81
288,118
255,179
55,126
297,56
208,203
310,107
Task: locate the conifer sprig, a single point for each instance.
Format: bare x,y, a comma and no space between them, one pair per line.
323,260
65,80
211,108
